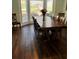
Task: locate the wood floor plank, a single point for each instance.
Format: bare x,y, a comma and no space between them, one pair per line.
25,46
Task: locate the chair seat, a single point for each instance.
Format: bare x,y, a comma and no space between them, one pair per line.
16,23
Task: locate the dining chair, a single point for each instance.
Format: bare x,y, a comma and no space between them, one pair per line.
40,32
61,17
61,14
37,29
65,21
14,20
36,25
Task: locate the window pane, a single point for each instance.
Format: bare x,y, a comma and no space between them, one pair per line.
49,6
23,7
35,7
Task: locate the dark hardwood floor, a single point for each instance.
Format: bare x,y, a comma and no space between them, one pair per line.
26,46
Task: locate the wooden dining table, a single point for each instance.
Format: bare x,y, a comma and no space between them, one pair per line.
51,28
49,23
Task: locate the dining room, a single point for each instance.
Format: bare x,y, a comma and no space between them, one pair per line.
39,29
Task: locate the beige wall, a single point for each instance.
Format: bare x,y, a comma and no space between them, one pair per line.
59,6
16,9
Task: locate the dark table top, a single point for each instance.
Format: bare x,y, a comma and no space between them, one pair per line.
49,23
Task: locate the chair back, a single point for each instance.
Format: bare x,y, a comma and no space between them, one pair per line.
61,14
36,25
61,17
64,18
14,18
